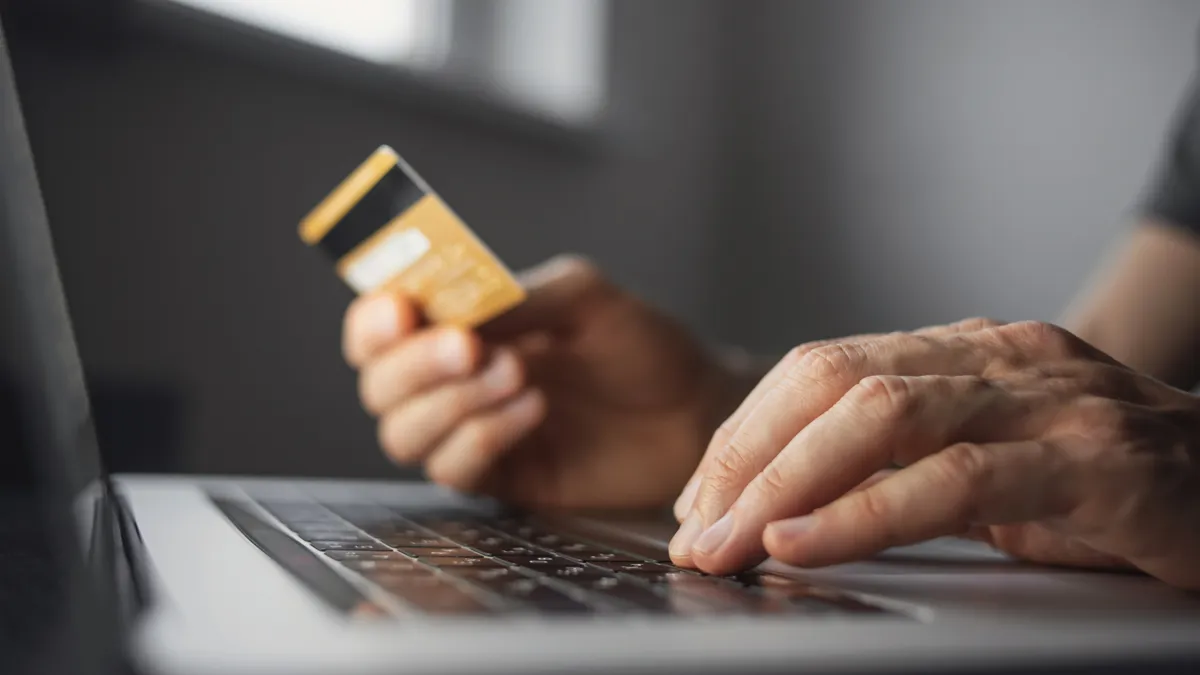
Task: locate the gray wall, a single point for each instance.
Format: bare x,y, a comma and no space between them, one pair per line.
176,175
917,161
780,170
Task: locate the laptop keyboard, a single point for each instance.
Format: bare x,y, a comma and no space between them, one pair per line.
466,564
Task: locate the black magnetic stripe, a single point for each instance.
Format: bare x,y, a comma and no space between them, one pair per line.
388,198
295,558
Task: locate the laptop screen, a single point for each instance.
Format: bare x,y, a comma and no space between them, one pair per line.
56,615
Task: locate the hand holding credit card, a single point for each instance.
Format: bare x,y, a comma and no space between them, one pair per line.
388,231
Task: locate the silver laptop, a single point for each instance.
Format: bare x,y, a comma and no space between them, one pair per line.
220,575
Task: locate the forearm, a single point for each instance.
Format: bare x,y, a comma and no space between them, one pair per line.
1143,308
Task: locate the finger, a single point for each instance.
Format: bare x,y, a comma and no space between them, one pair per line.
556,292
943,494
411,431
684,503
463,461
875,479
808,389
884,419
418,363
374,322
1036,543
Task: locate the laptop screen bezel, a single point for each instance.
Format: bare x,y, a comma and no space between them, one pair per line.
53,408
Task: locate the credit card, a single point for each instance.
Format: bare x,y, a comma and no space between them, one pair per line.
386,230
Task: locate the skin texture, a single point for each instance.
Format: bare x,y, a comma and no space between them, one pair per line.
1050,447
583,397
1030,438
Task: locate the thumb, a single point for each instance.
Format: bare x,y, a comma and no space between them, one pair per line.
556,292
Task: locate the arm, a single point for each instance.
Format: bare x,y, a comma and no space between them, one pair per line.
1143,309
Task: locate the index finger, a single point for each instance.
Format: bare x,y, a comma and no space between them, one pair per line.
803,394
882,419
372,323
683,505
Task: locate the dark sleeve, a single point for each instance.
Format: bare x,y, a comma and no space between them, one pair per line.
1173,195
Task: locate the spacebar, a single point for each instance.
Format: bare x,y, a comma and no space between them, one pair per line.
299,561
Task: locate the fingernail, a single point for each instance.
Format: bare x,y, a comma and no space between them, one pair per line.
681,543
381,318
794,527
454,352
502,374
683,505
714,536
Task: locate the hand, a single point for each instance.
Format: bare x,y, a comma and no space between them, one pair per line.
581,397
1021,435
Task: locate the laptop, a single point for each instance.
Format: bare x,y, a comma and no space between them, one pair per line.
203,575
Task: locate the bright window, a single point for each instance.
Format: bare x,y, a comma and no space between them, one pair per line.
546,56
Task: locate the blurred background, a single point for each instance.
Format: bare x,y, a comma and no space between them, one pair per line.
769,171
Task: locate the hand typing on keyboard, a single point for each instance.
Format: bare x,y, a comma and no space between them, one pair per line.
1021,435
581,397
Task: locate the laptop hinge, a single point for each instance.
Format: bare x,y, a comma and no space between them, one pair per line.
121,554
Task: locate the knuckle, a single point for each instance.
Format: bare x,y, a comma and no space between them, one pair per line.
1103,419
962,464
732,461
871,506
795,355
1047,337
885,396
773,482
978,323
825,362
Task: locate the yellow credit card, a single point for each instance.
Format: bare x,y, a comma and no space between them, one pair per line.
388,231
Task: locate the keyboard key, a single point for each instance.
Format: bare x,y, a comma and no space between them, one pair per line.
454,528
542,598
626,592
523,530
347,546
364,555
646,599
397,530
514,552
552,540
575,548
442,562
467,535
327,535
538,562
491,539
443,552
482,574
669,577
416,541
608,556
635,567
389,565
575,572
315,523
